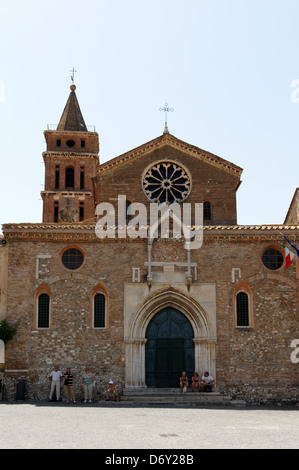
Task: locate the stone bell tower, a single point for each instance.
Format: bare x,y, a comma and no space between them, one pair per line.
71,161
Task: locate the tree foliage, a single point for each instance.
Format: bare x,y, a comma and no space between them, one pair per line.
7,332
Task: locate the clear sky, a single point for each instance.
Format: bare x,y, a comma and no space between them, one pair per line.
226,67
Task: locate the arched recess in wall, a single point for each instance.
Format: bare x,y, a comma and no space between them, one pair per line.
243,315
43,307
168,298
99,303
69,177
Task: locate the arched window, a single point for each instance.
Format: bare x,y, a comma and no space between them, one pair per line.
70,178
207,210
57,177
99,311
242,307
82,177
99,299
43,311
56,211
81,211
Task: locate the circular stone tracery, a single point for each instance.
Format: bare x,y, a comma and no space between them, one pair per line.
166,182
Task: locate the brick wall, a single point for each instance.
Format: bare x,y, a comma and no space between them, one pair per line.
209,183
251,363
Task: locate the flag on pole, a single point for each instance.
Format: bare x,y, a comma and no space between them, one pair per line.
295,248
289,255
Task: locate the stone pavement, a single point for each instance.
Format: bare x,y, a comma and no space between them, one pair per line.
108,425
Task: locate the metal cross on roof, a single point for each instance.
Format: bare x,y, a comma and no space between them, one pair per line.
73,74
166,109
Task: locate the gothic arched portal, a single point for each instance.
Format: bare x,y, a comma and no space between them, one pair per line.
186,321
169,348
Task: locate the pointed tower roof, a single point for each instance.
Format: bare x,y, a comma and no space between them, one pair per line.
72,119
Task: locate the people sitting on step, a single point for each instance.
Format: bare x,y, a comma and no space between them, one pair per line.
207,382
196,382
184,383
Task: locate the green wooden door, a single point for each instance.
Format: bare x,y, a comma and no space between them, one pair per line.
169,349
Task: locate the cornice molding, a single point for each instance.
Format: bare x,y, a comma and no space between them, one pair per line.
63,192
77,133
70,154
86,233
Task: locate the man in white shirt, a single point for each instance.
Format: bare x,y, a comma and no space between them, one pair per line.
55,378
207,382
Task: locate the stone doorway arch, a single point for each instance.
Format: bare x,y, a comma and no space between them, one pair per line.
135,333
169,349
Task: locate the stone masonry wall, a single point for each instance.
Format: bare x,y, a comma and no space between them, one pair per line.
252,363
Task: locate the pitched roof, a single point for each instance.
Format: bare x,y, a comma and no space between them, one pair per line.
72,119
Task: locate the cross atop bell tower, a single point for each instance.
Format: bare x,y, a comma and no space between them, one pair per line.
73,75
71,161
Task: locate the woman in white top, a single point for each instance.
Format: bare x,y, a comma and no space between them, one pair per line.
55,378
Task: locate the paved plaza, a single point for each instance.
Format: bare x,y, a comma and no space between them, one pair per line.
115,426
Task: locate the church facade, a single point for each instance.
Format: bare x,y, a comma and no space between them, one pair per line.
140,310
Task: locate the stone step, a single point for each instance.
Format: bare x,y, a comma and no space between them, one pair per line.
171,399
169,396
164,391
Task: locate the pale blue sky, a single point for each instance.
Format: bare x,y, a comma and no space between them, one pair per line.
225,66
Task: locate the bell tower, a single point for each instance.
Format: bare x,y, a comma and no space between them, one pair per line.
71,161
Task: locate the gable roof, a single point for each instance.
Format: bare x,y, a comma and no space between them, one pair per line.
169,139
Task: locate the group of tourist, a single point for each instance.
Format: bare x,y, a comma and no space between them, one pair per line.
87,381
203,384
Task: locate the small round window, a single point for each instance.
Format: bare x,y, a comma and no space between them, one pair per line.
72,258
272,259
70,143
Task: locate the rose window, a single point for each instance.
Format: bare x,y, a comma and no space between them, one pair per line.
166,182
